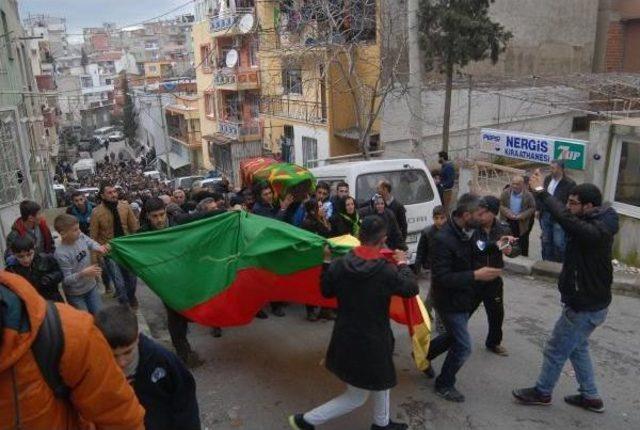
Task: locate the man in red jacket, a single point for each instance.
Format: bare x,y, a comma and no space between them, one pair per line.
33,224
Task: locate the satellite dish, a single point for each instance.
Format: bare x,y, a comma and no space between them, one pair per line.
245,24
232,58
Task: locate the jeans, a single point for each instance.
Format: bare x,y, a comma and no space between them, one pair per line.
457,341
89,301
124,281
570,340
351,399
553,239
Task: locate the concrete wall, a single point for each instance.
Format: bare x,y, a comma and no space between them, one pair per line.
319,133
512,109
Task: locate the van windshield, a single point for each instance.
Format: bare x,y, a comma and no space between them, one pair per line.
409,187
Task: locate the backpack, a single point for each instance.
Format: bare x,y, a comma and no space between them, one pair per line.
47,351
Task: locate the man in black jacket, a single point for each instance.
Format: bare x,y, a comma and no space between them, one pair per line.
162,384
558,185
398,209
489,251
361,348
453,282
585,291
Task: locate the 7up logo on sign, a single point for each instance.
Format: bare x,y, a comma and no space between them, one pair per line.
573,153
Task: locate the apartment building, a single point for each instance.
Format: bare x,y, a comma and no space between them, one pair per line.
228,80
274,78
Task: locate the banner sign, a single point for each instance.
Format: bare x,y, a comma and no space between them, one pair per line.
535,148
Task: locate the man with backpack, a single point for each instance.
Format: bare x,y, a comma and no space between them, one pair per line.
56,369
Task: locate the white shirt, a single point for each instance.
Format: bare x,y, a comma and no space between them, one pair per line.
553,184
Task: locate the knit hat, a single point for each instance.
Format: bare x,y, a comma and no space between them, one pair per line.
490,203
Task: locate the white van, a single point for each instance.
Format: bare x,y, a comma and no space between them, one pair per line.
85,167
103,133
411,182
152,174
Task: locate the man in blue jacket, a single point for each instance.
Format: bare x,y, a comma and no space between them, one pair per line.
163,385
585,291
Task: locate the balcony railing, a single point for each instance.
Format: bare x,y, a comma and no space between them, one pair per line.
228,20
311,112
189,138
236,76
238,130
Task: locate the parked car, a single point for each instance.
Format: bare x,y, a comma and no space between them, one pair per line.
206,183
412,185
116,136
185,182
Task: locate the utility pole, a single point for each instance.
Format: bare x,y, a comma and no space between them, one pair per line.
164,136
469,116
415,77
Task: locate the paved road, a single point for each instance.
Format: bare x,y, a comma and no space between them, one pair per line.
256,375
114,147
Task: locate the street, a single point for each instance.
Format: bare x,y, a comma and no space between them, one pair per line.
255,376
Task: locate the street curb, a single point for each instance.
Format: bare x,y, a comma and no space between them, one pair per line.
622,282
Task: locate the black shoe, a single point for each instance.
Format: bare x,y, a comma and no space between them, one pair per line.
191,359
262,315
450,394
429,372
216,332
297,422
391,426
134,303
327,314
531,396
278,312
593,405
312,316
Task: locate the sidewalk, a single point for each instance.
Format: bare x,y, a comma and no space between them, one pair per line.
624,283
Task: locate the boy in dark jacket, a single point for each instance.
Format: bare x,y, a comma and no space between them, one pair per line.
361,348
163,385
424,254
41,270
585,291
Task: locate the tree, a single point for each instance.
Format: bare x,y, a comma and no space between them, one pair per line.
454,33
129,115
343,50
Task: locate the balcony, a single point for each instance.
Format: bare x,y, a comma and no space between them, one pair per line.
242,131
97,104
226,24
49,117
190,139
45,83
236,79
308,112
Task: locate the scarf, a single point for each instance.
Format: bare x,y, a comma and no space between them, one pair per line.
117,222
355,223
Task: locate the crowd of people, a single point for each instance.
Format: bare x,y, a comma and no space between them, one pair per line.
463,250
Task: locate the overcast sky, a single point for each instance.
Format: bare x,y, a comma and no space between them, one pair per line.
92,13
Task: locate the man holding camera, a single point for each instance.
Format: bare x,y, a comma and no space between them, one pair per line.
585,290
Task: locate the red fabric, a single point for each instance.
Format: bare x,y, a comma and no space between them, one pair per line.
44,230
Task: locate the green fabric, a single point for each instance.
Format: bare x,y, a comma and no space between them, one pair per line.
187,265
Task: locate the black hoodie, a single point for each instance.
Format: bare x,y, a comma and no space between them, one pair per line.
361,348
587,272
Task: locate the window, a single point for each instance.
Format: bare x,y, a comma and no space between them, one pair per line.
10,173
6,35
205,58
253,100
292,81
410,187
253,52
210,105
309,152
627,184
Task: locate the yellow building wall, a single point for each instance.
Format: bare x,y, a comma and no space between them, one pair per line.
340,103
202,36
